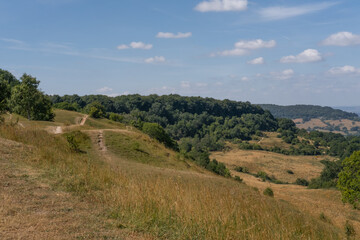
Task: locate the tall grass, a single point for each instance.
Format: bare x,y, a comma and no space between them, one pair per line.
169,204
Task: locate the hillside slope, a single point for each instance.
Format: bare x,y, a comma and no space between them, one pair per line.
167,199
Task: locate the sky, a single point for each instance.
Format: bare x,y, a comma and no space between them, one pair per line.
280,51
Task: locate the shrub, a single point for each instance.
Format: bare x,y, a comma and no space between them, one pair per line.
302,182
349,229
241,169
116,117
154,130
268,192
263,175
290,172
218,168
238,179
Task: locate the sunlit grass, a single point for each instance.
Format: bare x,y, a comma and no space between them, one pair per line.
169,204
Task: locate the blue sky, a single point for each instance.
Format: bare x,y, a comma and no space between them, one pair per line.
281,51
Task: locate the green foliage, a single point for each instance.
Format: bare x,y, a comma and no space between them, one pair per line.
28,101
78,140
154,130
73,143
290,172
268,192
4,95
241,169
67,106
302,182
238,179
349,179
218,168
95,110
263,175
328,177
116,117
307,112
349,229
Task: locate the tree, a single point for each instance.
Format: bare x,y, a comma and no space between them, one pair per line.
96,110
30,102
349,179
4,95
154,130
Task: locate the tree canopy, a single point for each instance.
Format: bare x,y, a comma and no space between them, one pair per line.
349,179
27,100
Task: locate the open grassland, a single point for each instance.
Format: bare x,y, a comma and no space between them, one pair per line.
274,164
322,204
321,125
269,140
166,203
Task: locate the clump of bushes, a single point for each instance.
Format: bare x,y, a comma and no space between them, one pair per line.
241,169
302,182
290,172
238,179
154,130
218,168
268,192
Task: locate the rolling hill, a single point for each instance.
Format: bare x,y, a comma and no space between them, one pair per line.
143,190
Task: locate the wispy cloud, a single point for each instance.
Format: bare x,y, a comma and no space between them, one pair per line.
309,55
342,39
135,45
104,90
243,47
221,5
344,70
173,35
156,59
283,75
282,12
257,61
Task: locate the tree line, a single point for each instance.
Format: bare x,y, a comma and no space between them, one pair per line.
24,97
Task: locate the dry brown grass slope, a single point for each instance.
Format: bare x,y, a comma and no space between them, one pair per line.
315,202
161,200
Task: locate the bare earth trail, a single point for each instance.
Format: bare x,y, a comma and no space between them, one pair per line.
59,129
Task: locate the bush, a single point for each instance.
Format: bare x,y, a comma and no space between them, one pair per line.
241,169
95,110
349,229
302,182
116,117
238,179
268,192
154,130
218,168
263,175
290,172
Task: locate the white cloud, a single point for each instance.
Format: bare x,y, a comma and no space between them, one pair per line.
342,39
185,84
173,35
104,90
233,52
344,70
141,45
156,59
221,5
283,75
135,45
245,79
257,61
242,47
280,12
309,55
255,44
122,47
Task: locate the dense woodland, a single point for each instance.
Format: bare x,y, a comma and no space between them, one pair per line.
308,112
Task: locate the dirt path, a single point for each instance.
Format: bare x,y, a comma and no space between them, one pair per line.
30,209
83,120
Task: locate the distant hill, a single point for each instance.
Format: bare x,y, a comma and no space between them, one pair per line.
308,112
353,109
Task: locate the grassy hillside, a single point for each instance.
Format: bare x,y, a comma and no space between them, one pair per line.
147,189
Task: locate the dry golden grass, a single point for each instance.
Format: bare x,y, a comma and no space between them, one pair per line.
271,140
319,123
167,203
310,201
30,209
275,164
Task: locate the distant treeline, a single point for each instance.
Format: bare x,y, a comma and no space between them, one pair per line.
307,112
